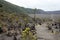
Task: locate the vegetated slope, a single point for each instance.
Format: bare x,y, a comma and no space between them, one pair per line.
6,6
11,14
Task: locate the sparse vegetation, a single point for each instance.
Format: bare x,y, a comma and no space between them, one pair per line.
15,21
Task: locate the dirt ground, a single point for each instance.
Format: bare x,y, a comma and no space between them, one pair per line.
44,34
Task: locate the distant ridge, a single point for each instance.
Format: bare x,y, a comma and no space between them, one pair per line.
53,12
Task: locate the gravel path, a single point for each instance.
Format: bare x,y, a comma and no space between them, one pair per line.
43,34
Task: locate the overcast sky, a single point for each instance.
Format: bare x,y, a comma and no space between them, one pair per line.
47,5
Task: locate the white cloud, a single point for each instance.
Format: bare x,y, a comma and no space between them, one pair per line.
41,4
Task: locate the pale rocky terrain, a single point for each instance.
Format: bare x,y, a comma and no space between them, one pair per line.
44,34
